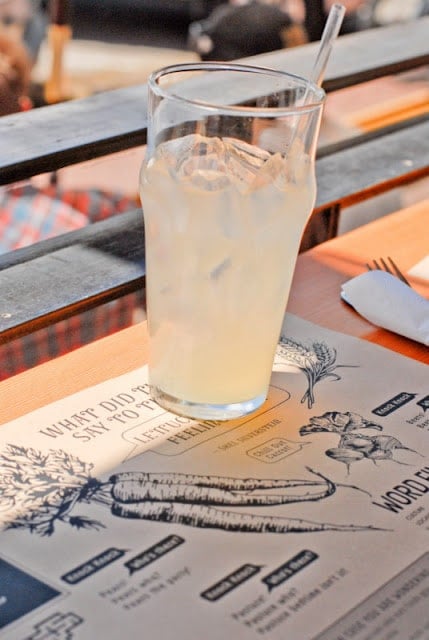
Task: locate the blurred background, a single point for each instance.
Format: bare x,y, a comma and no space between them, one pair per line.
57,50
106,44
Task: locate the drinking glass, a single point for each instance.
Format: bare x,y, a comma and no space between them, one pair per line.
227,186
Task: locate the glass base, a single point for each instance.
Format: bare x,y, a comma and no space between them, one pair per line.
205,411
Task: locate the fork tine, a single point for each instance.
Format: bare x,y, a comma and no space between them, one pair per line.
386,266
393,269
375,266
398,272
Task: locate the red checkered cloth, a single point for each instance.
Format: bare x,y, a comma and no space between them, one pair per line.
28,215
56,340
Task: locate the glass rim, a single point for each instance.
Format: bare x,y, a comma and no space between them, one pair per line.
157,89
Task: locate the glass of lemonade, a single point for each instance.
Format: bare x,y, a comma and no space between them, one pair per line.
227,186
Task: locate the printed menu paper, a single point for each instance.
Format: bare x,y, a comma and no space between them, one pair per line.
308,519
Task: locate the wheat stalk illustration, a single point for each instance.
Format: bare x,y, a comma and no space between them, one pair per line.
317,361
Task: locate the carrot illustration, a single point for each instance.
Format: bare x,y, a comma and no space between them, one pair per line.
224,482
203,516
39,490
177,487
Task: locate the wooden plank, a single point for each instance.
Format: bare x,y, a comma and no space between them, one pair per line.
362,56
71,273
320,272
121,236
105,260
374,166
56,136
53,137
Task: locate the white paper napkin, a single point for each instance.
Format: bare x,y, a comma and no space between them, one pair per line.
389,303
421,269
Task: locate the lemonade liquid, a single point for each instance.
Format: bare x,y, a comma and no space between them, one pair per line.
220,258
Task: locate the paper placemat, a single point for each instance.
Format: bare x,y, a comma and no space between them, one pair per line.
307,519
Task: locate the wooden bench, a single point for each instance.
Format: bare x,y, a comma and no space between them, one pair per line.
63,276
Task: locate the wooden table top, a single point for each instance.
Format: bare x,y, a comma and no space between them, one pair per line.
315,296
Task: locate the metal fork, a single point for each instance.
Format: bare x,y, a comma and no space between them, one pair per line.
391,268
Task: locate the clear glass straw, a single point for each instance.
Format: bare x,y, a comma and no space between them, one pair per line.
330,32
